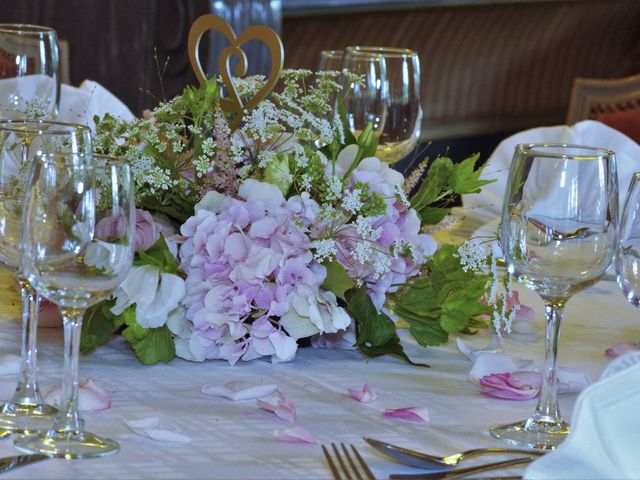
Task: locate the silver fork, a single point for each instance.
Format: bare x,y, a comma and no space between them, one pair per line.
344,467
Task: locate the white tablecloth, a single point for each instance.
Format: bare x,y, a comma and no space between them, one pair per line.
233,440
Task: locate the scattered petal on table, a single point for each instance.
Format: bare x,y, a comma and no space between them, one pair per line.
472,354
572,380
512,386
366,395
279,406
9,364
91,397
294,435
413,414
619,348
489,363
156,429
238,390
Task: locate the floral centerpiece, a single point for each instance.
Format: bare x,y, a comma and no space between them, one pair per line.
286,230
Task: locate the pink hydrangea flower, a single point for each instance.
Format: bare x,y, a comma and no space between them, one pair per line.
253,286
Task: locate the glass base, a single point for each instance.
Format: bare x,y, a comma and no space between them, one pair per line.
532,433
26,417
67,444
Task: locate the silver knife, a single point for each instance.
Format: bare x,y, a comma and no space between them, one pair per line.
9,463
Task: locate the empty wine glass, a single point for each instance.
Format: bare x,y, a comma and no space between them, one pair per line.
389,98
558,235
19,141
29,72
628,254
78,246
331,60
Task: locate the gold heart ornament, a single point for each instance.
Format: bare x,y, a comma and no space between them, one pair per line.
233,103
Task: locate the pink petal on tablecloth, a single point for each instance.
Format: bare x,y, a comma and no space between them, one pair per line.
157,429
620,348
366,395
9,364
512,386
91,397
279,406
413,414
238,390
294,435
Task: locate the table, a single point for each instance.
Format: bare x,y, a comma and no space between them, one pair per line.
233,440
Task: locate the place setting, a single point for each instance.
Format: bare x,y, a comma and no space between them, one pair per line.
258,278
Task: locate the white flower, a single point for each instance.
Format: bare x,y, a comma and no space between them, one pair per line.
362,252
352,202
312,313
211,201
255,191
325,248
155,294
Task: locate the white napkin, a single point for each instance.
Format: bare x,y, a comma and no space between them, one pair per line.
81,104
605,432
487,205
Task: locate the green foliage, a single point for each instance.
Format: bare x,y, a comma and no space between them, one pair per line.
338,280
443,182
445,300
97,326
156,346
375,332
159,256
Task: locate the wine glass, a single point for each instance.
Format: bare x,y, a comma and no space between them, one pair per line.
29,72
19,141
68,262
331,60
389,98
628,254
558,235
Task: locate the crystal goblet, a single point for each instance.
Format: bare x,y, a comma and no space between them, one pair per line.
558,236
29,72
19,140
68,262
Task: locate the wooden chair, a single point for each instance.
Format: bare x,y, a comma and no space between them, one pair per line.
592,97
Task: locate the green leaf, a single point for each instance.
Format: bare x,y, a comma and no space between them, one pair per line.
97,326
159,256
465,178
156,346
338,280
133,332
394,348
434,184
433,215
374,328
349,138
375,332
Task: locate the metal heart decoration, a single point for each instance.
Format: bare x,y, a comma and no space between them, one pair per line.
233,103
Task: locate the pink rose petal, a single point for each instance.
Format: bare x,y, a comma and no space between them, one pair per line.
413,414
366,395
238,390
91,397
279,406
620,348
294,435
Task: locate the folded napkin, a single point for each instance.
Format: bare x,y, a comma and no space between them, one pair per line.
605,431
487,205
81,104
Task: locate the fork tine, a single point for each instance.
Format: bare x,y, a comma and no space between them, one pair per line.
363,464
354,467
343,465
332,465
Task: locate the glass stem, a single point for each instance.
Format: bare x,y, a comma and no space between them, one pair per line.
68,418
547,409
27,391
